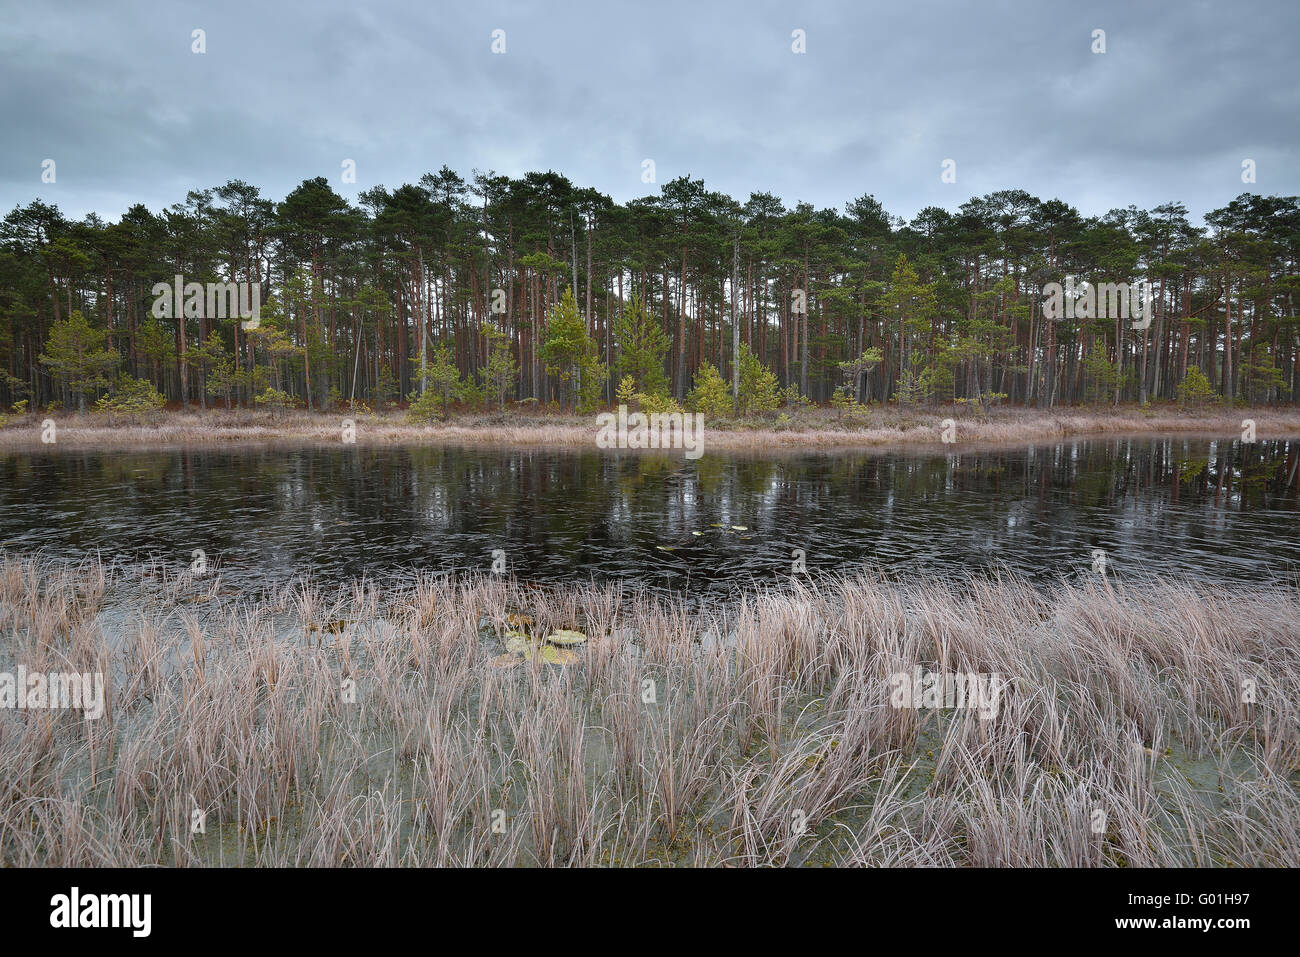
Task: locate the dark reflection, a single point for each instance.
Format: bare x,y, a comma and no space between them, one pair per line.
1216,510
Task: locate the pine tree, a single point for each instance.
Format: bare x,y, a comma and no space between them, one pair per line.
77,353
221,378
643,346
913,306
1195,389
759,391
443,382
711,394
569,353
856,369
501,370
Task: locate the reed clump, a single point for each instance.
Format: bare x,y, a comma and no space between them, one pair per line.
1154,723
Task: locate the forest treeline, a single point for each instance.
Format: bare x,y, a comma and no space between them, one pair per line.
494,289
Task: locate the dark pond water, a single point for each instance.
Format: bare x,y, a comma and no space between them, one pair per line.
1214,510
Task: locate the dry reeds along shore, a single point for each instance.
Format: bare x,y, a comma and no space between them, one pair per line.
806,428
398,723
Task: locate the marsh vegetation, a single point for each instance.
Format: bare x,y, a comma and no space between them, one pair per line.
758,731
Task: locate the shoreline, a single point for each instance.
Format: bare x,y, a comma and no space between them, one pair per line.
808,431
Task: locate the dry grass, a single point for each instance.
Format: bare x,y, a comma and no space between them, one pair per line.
767,711
801,429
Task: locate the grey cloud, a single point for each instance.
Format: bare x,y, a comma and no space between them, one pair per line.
1010,91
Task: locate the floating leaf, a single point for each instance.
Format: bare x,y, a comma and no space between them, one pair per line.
558,656
566,636
518,644
334,627
551,655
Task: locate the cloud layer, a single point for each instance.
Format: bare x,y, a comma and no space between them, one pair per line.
1012,92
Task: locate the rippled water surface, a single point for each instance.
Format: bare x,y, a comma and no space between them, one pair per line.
1214,510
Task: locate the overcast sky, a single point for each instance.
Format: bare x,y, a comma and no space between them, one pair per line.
1010,91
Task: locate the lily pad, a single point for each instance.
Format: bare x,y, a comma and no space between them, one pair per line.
551,655
558,656
565,637
518,644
